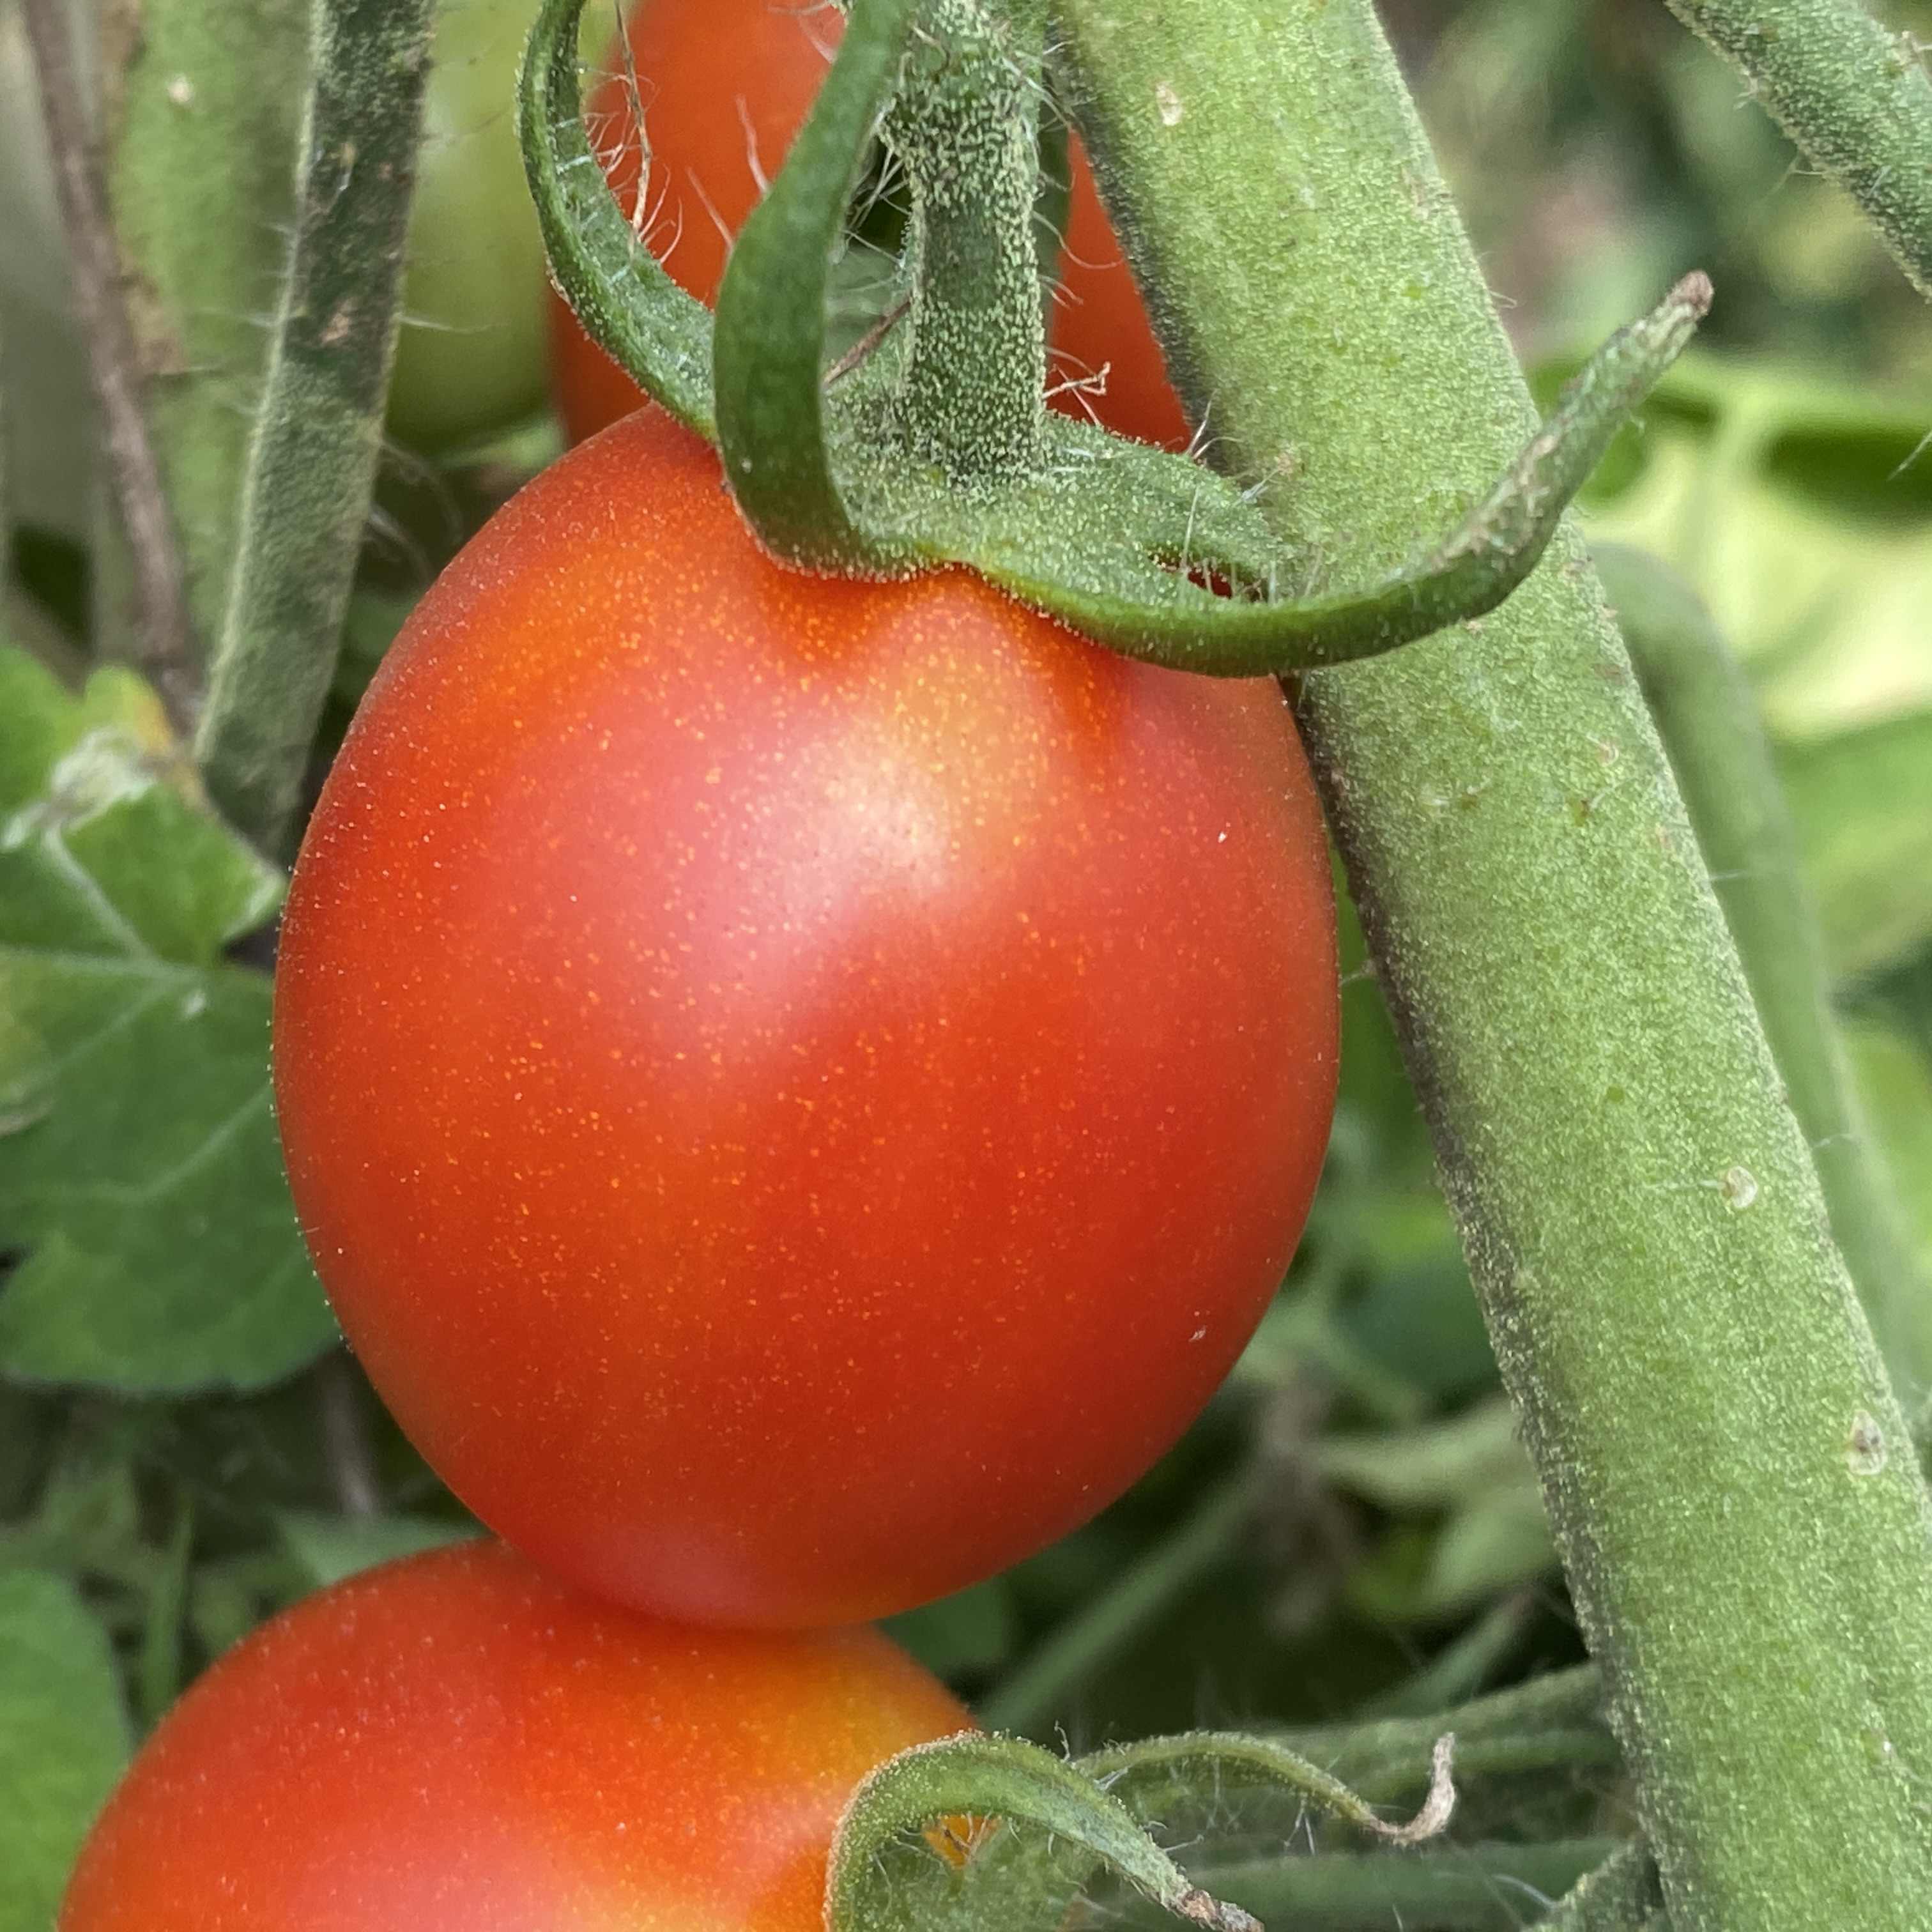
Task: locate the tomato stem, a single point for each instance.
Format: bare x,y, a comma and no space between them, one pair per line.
1727,1468
318,429
1856,97
1462,1889
1709,721
166,632
965,128
199,125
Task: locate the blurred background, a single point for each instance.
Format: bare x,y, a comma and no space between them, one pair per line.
1353,1527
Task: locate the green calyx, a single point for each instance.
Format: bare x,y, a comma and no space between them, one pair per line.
928,446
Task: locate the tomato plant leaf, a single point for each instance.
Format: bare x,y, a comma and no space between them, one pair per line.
1801,513
64,1738
1862,800
1896,1081
328,1548
140,1170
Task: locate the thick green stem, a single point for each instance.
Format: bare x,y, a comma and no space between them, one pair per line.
1855,98
1708,720
965,127
1748,1537
318,431
163,631
201,106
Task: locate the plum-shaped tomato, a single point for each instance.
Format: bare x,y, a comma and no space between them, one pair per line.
798,1090
458,1743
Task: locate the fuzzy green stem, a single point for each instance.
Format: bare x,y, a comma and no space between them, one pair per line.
974,1775
1481,1888
1114,539
1619,1896
1748,1537
965,127
1709,723
1855,97
768,346
1033,1696
318,432
1551,1724
617,289
201,107
164,634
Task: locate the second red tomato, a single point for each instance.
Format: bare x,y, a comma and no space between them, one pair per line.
725,86
457,1743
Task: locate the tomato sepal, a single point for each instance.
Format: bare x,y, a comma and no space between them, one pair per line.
769,337
1093,1814
1147,553
615,286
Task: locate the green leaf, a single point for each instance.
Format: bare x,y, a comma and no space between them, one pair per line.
1496,1535
88,1519
1862,801
139,1168
1476,1453
1896,1081
975,1630
1802,514
63,1739
328,1548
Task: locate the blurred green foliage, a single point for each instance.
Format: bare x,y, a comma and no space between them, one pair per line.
1352,1528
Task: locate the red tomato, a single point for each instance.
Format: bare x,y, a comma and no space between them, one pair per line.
724,87
799,1090
456,1743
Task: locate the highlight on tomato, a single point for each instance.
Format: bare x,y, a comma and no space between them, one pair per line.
458,1740
724,86
799,1090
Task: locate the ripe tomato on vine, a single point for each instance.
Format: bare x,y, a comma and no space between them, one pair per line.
724,87
458,1740
799,1090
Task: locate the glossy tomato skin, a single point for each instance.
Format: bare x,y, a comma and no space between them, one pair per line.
725,84
458,1743
798,1090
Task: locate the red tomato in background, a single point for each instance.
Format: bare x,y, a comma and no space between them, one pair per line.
725,86
456,1743
798,1090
